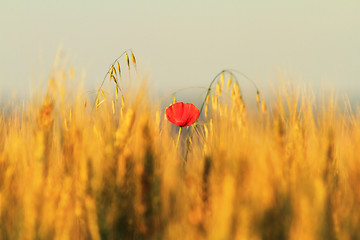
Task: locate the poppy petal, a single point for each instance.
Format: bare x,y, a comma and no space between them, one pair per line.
182,114
171,115
192,114
173,112
186,114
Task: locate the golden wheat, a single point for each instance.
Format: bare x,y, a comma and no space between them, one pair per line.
68,172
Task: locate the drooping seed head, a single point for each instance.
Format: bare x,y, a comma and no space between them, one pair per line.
258,97
229,83
127,60
133,58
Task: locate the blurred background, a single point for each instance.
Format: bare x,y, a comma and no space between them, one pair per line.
184,43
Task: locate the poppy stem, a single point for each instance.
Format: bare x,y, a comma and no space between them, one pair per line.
178,138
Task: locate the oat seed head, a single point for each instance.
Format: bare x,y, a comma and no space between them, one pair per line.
133,58
127,60
229,82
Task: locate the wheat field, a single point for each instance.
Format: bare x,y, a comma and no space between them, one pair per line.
75,166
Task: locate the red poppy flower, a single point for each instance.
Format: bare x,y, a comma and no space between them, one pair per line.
182,114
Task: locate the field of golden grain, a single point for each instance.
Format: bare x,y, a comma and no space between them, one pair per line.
74,166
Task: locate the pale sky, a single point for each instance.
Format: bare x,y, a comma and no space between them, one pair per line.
184,43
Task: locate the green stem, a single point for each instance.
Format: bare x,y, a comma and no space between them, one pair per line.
178,138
